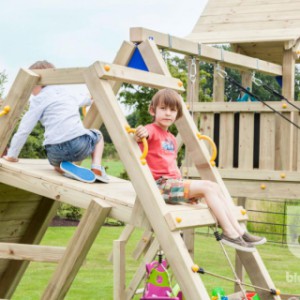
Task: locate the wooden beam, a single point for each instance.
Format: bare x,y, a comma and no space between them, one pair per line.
204,52
241,107
60,76
145,187
119,270
16,99
258,273
30,252
196,218
76,251
34,233
134,76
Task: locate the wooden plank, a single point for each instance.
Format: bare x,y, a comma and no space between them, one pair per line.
226,140
262,35
34,233
271,190
13,228
72,192
145,187
134,76
188,47
119,270
60,76
218,84
153,58
196,218
76,251
246,140
17,99
267,142
249,25
262,175
17,210
30,252
241,107
241,18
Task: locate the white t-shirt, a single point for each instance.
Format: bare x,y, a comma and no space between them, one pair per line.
58,112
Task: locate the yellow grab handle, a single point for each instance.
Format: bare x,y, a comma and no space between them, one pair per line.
145,143
5,110
212,144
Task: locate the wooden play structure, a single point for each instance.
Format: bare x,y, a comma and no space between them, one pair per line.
30,190
33,186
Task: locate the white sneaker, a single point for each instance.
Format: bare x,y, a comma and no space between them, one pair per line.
100,173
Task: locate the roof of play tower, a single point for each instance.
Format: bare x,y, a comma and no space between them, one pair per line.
258,28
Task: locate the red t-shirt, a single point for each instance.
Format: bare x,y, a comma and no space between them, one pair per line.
162,153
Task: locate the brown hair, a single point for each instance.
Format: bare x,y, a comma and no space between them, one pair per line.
41,64
168,98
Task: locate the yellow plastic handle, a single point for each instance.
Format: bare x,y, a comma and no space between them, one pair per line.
145,143
6,110
212,144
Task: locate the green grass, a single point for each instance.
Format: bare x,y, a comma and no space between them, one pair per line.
95,278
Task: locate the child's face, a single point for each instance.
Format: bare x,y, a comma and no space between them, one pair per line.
164,116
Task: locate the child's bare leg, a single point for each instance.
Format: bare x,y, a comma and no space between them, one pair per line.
229,208
203,188
98,152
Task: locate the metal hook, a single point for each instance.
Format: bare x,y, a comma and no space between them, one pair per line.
257,81
220,71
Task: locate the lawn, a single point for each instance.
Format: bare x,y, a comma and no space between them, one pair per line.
95,278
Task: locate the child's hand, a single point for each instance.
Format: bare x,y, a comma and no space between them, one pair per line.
11,159
140,133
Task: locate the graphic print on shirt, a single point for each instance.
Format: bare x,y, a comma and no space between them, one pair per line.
168,145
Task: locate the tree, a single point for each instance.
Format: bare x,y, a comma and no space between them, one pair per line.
3,80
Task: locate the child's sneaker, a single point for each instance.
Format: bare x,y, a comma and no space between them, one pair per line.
237,243
100,173
76,172
253,239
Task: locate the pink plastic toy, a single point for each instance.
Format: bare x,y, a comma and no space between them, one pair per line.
158,282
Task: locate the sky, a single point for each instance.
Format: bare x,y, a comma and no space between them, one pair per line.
72,33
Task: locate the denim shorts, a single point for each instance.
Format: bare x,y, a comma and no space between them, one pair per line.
76,149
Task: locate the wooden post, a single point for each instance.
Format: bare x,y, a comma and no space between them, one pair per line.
119,270
218,85
285,132
145,186
17,99
76,251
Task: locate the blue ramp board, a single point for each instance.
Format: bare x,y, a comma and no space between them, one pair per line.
137,61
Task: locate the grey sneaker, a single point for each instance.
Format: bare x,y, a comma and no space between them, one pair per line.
237,243
253,239
100,173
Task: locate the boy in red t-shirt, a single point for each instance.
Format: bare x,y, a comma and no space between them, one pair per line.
166,108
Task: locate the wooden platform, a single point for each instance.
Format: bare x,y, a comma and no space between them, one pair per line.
38,177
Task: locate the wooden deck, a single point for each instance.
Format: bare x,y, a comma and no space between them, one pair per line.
39,178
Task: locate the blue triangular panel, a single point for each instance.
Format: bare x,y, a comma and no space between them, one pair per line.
137,61
279,80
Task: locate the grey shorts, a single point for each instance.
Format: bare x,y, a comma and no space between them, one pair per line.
76,149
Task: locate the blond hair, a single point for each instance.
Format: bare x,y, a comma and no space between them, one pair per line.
41,64
168,98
